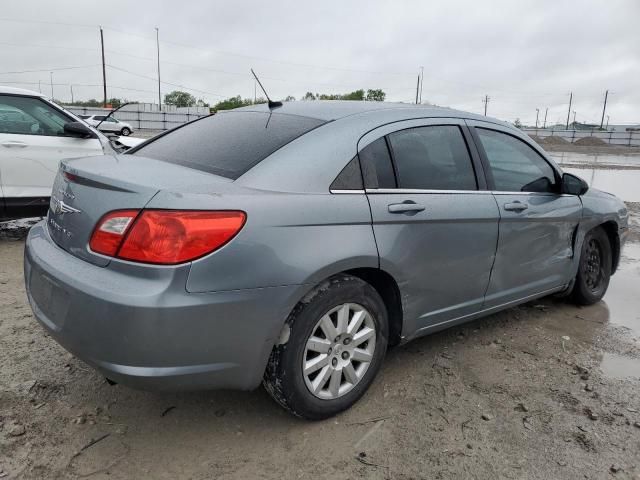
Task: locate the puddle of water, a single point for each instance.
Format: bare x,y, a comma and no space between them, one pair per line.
622,183
617,366
623,296
595,159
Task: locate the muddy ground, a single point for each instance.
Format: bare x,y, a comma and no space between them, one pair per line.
546,390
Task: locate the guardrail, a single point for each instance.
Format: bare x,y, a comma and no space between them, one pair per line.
629,138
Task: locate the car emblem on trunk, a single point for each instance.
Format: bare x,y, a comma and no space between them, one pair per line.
59,207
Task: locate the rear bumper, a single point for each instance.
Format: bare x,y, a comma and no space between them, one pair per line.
140,327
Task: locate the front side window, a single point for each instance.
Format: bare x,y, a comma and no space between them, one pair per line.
30,116
432,158
515,166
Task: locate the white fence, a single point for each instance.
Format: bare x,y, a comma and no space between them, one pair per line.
141,119
629,138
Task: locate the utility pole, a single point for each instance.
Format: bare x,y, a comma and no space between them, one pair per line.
537,113
418,89
486,101
546,110
569,112
606,94
71,87
255,92
421,82
607,127
104,72
51,81
39,88
158,49
574,119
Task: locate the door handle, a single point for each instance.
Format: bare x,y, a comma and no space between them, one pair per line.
516,206
13,143
406,207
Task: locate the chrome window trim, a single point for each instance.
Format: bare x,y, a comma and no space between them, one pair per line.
418,190
537,194
409,191
342,192
462,192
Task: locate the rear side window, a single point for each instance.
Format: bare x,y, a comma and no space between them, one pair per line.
432,158
230,143
377,168
515,166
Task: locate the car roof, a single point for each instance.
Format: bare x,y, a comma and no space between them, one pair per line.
19,91
329,110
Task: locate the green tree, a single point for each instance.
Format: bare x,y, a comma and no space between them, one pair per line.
517,123
233,102
355,95
290,98
180,99
309,96
376,95
115,102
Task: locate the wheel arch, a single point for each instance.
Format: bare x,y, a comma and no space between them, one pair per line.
388,289
610,227
380,280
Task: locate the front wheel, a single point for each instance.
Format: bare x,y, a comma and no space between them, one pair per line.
125,131
594,270
337,342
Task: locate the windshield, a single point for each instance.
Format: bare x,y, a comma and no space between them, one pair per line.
229,143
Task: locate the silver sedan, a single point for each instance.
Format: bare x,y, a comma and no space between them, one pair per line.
292,246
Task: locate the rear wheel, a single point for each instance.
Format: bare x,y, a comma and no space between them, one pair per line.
125,131
594,270
337,341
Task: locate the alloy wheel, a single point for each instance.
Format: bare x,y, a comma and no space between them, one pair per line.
339,351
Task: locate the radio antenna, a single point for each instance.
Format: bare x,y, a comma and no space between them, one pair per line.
270,102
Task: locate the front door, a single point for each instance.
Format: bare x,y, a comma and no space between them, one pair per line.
537,222
32,143
436,228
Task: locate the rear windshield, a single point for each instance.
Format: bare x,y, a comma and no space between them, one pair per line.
229,143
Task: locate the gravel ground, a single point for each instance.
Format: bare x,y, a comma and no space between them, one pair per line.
544,390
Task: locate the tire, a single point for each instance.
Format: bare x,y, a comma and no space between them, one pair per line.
125,131
342,296
594,270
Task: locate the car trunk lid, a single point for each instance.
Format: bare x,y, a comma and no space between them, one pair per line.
86,189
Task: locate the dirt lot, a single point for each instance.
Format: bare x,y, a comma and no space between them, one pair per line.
545,390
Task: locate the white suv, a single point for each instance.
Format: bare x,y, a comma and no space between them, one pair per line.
35,134
109,124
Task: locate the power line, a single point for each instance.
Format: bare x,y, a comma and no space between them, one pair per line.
46,22
49,69
75,84
168,83
218,52
31,45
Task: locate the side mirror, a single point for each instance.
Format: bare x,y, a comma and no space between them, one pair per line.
78,129
573,185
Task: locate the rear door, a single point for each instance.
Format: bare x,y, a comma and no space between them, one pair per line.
435,224
32,143
537,223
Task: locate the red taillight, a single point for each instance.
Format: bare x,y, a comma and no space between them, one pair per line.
167,236
110,231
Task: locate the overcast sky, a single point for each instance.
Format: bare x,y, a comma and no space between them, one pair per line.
524,55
